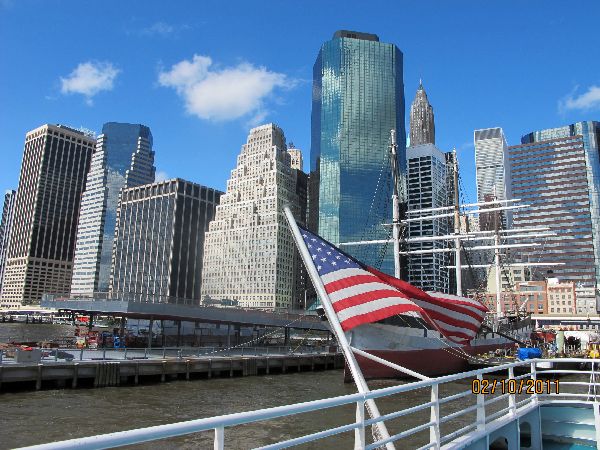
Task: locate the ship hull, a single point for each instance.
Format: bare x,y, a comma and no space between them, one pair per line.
421,351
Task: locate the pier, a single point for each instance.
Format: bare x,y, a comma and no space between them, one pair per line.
137,366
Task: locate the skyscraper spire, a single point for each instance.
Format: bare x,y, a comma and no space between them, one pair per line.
422,127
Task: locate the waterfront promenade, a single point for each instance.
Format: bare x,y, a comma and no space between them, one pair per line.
58,368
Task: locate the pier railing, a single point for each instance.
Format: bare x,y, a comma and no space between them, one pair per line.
518,390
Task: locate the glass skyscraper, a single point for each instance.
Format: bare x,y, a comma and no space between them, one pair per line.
358,97
123,158
557,172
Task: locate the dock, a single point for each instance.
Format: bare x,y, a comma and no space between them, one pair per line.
104,373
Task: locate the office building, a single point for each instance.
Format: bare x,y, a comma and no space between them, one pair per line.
561,297
422,124
123,158
159,242
358,98
55,163
250,256
585,299
557,173
5,225
492,168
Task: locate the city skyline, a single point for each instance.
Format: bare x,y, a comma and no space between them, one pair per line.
124,84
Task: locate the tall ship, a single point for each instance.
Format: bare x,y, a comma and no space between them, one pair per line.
407,341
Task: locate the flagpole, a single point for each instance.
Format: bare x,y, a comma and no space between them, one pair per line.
357,375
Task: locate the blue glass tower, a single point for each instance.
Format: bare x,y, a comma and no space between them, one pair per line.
358,97
123,158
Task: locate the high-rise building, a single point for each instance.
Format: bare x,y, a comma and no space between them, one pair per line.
557,172
427,188
250,256
422,125
159,242
42,240
123,158
5,225
492,167
357,99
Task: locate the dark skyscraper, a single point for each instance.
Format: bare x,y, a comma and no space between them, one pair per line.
55,163
358,97
5,225
422,126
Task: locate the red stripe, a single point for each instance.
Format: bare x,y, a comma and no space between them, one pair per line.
453,301
450,307
374,316
367,297
350,281
450,321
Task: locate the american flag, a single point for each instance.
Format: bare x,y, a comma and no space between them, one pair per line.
361,294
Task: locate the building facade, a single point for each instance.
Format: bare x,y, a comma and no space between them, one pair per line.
561,297
123,158
492,167
5,225
357,99
250,256
422,123
159,242
527,296
557,172
55,163
426,181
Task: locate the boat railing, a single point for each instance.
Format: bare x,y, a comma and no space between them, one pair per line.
453,401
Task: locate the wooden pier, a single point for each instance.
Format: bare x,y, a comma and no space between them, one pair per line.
102,373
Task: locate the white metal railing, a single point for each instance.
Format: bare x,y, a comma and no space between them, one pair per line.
508,403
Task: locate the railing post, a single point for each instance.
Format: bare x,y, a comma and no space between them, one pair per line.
512,405
103,353
146,353
1,353
434,429
219,438
164,352
81,355
534,396
359,433
125,353
56,354
480,408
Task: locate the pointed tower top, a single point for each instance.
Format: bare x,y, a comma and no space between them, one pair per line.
420,84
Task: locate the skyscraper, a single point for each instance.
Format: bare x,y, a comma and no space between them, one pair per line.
492,167
123,158
159,242
250,256
422,126
42,240
557,172
358,97
5,225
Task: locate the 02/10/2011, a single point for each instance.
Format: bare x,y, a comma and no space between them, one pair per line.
512,386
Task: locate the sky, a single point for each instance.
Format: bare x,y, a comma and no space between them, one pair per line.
200,74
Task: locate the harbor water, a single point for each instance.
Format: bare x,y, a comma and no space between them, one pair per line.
48,415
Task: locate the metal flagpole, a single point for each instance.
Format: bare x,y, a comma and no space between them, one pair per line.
357,375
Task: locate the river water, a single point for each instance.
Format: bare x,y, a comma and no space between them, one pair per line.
31,417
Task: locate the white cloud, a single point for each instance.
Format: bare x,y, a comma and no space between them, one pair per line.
161,176
223,94
89,78
587,101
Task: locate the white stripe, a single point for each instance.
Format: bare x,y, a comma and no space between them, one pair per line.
451,328
343,273
447,312
441,295
368,307
359,289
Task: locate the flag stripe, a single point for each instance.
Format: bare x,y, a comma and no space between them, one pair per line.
450,309
374,316
362,289
380,303
351,281
370,296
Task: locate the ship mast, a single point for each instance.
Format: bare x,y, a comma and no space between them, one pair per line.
395,203
458,268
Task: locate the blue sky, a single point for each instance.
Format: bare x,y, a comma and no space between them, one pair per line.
178,67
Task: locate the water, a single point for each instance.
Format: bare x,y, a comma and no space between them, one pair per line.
30,418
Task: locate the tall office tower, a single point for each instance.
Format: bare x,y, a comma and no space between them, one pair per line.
492,167
5,225
557,172
250,256
159,242
357,99
123,158
42,240
427,188
422,126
